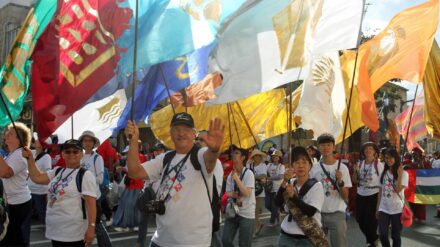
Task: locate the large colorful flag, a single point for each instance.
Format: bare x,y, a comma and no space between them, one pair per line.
431,86
100,117
414,118
75,56
260,116
401,51
168,29
423,186
323,96
258,54
179,73
14,74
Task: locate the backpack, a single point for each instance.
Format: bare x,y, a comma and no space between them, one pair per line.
215,202
78,179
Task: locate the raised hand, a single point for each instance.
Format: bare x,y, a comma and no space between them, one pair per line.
132,130
214,138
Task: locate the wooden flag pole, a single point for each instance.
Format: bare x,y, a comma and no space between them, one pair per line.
352,86
235,125
409,122
247,124
133,74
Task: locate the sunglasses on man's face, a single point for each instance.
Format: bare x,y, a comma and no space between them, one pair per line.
74,151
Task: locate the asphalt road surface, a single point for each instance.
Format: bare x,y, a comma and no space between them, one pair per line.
419,235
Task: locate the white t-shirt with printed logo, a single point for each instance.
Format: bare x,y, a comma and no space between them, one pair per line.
390,202
247,209
333,201
188,218
64,215
369,178
96,167
273,170
315,198
258,170
16,187
44,164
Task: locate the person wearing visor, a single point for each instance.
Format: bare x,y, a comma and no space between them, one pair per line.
71,208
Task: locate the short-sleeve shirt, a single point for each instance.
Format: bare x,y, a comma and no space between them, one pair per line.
64,216
315,198
96,166
333,201
188,218
390,202
273,170
369,178
247,209
44,164
258,170
16,187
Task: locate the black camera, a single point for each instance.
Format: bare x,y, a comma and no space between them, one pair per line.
155,207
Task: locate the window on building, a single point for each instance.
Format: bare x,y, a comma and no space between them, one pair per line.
11,31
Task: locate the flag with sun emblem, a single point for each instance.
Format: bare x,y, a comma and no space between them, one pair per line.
322,99
100,117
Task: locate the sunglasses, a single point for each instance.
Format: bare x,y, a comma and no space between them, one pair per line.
71,151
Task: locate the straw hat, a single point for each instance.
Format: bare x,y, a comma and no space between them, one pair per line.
257,152
89,134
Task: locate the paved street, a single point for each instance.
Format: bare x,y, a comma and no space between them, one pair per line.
419,235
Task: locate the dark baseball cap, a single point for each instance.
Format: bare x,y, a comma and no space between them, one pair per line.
182,118
72,143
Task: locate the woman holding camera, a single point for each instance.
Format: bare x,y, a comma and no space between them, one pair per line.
302,198
240,186
68,223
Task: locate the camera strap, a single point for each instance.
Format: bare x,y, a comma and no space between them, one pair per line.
241,179
167,171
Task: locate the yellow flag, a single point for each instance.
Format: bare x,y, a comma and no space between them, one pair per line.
400,51
355,115
431,86
260,116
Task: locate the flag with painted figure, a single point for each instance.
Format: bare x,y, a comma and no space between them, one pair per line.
101,117
423,186
258,54
15,73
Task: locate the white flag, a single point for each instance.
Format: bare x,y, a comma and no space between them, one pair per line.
100,117
269,43
322,100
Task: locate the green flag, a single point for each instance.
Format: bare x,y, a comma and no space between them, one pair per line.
14,74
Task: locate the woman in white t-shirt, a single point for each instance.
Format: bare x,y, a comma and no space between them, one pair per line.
367,176
307,194
68,223
259,168
393,182
39,191
275,173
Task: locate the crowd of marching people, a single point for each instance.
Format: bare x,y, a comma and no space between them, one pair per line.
81,188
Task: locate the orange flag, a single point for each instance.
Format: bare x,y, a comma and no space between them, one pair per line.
401,51
197,93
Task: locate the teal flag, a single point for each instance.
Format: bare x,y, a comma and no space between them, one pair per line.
14,74
168,29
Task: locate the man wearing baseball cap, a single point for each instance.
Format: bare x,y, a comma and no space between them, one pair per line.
186,219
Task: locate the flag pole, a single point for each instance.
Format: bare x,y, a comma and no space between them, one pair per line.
288,125
133,74
230,129
235,126
247,124
352,85
166,86
71,125
20,138
409,122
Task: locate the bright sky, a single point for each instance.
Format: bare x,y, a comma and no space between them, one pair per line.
379,13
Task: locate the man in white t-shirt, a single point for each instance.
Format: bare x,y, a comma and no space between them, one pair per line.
240,186
335,179
185,218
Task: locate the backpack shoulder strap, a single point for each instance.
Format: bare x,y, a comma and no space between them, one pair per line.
168,157
79,179
306,187
194,157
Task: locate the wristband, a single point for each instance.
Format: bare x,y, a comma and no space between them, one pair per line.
92,224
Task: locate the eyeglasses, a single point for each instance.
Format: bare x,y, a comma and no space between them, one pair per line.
71,151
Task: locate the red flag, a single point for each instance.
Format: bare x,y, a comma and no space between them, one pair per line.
74,57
